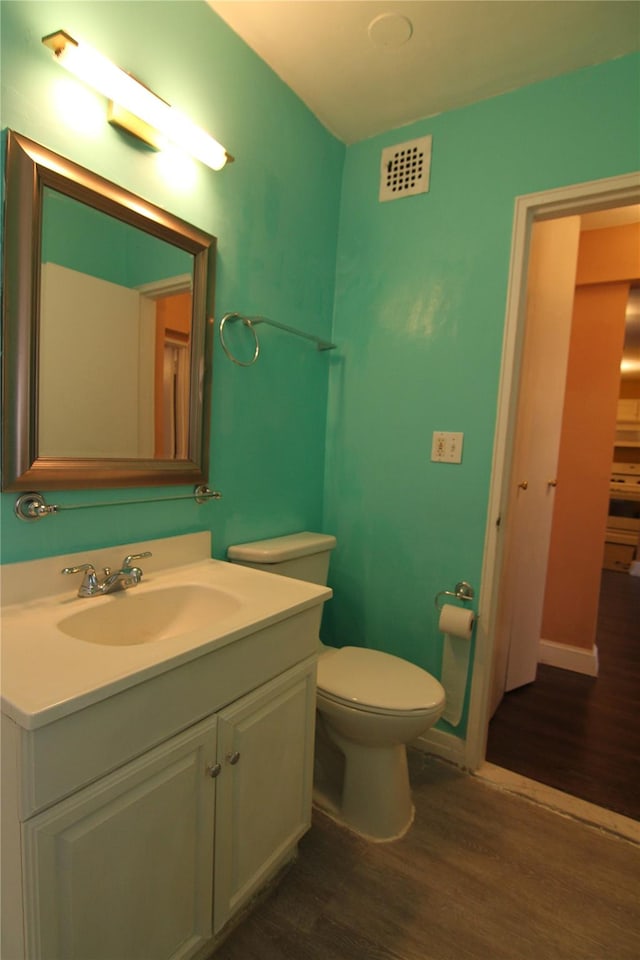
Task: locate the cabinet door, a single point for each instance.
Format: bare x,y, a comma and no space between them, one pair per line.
628,411
122,869
263,806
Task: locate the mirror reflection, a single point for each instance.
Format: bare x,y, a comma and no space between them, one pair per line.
107,359
114,311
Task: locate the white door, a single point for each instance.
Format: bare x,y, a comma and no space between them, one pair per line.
122,870
527,523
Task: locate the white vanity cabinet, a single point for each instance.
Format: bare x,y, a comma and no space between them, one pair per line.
150,861
149,789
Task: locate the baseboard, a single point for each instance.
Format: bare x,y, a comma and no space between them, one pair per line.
443,745
569,658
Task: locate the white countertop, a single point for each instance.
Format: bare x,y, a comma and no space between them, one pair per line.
47,674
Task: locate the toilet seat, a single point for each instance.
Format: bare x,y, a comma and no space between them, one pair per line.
377,682
425,712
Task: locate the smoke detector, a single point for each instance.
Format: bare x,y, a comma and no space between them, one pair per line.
390,30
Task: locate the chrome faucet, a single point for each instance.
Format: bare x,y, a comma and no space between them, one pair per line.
127,576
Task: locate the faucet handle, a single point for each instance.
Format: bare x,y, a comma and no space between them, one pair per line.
128,560
81,568
89,585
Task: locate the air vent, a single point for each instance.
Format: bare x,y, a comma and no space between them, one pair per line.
404,169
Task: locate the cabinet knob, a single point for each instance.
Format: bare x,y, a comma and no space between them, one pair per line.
552,483
523,484
233,757
213,769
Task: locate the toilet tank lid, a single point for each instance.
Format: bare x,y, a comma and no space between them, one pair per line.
279,549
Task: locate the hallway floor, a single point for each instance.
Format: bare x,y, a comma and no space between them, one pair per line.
581,734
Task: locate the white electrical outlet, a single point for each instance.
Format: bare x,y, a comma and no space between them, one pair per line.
446,447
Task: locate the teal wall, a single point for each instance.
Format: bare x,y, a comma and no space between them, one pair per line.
275,213
120,253
420,307
420,289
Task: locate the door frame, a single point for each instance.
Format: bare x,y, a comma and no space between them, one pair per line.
548,204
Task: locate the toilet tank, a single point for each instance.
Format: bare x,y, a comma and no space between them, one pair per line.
302,556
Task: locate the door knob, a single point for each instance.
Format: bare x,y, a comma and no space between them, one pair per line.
523,484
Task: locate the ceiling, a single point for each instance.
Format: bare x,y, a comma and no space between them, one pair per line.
367,67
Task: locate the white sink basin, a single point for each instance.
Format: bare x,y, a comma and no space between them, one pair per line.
62,653
128,618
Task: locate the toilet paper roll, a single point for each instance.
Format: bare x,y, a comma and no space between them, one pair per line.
457,625
456,621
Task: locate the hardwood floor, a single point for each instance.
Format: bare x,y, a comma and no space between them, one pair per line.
481,875
581,734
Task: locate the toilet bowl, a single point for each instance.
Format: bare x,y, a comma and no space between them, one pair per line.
370,705
373,704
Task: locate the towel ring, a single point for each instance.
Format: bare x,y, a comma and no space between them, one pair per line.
247,322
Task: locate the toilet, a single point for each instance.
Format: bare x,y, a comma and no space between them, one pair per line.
370,706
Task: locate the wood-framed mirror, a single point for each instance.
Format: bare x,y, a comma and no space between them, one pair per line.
107,342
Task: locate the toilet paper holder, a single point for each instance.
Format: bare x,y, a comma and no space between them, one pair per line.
462,591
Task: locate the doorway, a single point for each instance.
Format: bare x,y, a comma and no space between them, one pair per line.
570,201
558,724
568,731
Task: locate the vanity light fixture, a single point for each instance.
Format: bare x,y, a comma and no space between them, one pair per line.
133,106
